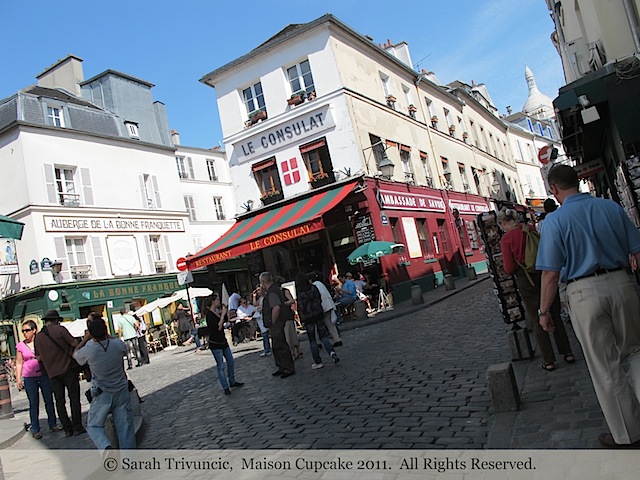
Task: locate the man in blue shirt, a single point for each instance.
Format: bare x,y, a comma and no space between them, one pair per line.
347,293
587,243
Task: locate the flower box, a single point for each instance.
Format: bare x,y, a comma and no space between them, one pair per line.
412,108
296,99
320,180
257,116
271,196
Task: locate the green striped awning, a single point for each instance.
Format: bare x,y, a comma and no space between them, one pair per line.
10,228
273,226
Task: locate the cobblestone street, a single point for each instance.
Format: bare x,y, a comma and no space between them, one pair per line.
413,382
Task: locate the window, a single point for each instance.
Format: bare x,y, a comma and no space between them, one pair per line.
444,236
424,158
191,207
540,129
300,78
55,117
429,106
484,140
394,229
550,133
185,167
76,254
253,98
379,150
267,177
493,145
447,173
211,169
447,117
132,129
475,133
149,191
217,207
476,180
423,236
405,158
156,250
66,187
386,88
530,124
463,176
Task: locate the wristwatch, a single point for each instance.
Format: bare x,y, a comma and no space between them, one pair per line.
542,314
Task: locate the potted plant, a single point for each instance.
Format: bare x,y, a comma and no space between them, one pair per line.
320,179
391,99
434,119
452,128
296,99
465,135
412,108
257,116
311,95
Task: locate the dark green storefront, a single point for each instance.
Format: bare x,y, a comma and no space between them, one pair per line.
75,300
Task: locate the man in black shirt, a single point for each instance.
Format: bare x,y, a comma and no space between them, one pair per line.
275,313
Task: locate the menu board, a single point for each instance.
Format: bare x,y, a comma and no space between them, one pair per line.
364,230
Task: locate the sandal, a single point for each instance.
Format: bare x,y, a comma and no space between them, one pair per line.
570,358
549,367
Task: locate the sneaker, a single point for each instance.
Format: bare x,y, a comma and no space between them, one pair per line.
237,384
317,366
227,391
334,357
338,344
55,428
37,435
264,354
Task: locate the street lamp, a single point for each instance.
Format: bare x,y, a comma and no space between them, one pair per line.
56,268
386,166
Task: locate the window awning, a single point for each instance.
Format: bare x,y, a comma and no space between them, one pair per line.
10,228
271,227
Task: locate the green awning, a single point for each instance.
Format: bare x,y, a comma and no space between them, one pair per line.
10,228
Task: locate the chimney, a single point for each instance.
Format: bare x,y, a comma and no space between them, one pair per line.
66,73
175,137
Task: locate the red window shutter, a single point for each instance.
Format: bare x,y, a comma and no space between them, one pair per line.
313,145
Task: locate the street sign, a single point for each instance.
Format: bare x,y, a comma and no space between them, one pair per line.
544,154
181,263
185,277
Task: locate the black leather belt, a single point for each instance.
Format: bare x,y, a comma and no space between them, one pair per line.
602,271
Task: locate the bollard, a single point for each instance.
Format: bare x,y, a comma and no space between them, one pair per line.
471,273
503,390
448,282
6,410
416,295
520,344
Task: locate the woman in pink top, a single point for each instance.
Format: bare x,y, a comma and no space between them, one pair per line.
31,377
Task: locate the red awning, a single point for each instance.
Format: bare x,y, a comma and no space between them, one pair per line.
313,145
271,227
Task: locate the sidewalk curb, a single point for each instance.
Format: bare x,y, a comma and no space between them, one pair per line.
11,425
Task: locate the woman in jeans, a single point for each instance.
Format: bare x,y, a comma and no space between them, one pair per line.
32,378
513,244
312,314
216,314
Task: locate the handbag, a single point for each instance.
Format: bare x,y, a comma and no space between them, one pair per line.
74,366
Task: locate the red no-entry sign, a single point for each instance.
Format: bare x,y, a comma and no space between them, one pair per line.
181,263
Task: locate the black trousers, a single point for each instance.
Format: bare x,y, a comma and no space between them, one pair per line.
143,349
70,382
280,348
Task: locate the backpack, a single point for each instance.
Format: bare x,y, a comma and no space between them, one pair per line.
310,305
530,252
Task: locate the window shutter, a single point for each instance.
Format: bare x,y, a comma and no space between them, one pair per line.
190,166
87,189
156,191
143,195
50,183
147,246
61,256
167,250
98,258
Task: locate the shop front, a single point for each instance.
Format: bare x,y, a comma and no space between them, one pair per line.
76,300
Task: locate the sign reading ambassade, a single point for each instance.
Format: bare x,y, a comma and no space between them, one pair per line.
106,224
293,130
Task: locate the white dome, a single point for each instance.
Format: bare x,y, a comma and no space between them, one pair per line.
537,104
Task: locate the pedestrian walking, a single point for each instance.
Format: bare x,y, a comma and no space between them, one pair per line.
258,299
216,315
311,313
54,346
275,314
513,246
128,334
141,334
33,379
109,386
587,243
329,309
290,331
184,320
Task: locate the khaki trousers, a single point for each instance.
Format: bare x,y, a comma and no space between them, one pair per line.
333,330
605,316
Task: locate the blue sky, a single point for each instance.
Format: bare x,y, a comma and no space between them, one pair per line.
173,44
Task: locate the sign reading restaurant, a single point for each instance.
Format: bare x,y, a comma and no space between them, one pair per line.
291,131
106,224
409,201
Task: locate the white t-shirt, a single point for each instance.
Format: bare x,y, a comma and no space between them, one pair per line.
234,301
246,312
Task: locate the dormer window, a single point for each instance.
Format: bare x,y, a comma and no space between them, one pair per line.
55,116
132,129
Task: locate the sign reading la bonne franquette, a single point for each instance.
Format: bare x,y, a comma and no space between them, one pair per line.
294,130
105,224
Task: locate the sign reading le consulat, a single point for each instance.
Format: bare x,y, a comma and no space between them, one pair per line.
105,224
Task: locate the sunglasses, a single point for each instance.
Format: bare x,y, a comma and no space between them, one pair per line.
27,330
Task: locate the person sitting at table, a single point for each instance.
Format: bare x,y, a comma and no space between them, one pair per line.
246,313
347,293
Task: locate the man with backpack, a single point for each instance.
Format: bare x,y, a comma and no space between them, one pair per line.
587,243
519,246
